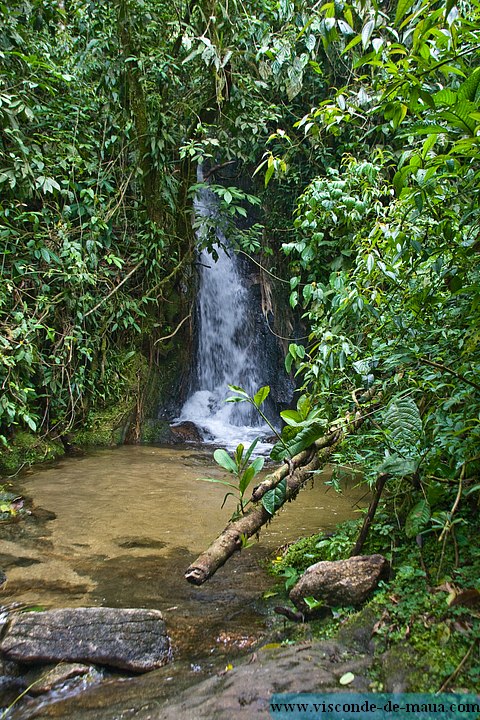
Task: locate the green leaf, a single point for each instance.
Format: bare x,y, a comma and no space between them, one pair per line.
239,390
274,499
313,604
352,44
291,417
417,518
403,7
261,396
303,406
398,466
246,479
347,678
251,449
302,440
367,31
403,422
219,482
239,455
223,459
269,173
258,464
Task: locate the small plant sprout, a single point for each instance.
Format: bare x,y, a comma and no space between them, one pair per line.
237,465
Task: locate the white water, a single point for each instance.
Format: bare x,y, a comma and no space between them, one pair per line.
226,354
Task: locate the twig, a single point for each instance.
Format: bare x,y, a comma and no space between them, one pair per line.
439,366
112,292
458,668
372,509
447,526
167,337
217,167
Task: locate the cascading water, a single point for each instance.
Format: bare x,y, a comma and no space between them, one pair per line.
226,351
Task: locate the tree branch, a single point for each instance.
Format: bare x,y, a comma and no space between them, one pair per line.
297,472
439,366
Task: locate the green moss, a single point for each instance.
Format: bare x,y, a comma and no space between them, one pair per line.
421,639
155,431
108,422
27,449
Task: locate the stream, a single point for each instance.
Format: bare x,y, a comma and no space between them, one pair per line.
118,528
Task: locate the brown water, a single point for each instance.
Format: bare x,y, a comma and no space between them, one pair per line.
127,524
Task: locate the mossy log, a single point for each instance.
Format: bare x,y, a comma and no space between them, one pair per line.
297,471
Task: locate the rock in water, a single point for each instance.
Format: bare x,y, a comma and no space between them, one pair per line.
129,639
340,582
185,432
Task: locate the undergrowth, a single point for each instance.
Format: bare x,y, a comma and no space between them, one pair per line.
426,616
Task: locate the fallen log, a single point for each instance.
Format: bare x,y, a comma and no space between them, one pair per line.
297,471
232,537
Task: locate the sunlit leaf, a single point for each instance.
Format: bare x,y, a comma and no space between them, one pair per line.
223,459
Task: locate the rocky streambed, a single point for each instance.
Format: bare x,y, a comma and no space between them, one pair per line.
118,531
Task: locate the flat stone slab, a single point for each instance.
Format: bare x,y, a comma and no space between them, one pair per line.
129,639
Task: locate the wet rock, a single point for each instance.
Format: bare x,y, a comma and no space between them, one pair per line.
47,678
341,582
400,669
10,689
139,542
155,431
129,639
185,432
241,693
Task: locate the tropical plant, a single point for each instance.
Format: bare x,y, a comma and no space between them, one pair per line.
237,465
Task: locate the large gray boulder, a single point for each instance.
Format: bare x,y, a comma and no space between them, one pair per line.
340,582
129,639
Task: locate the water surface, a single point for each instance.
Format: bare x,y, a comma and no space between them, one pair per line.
127,523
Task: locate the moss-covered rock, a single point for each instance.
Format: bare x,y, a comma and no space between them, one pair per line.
155,431
28,449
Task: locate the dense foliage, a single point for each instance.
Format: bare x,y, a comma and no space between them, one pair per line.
385,268
358,121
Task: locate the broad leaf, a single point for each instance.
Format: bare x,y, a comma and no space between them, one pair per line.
302,440
398,466
257,464
261,396
274,499
246,479
223,459
417,518
403,422
238,390
403,7
291,417
367,31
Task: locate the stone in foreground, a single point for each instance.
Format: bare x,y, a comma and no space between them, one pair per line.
129,639
341,582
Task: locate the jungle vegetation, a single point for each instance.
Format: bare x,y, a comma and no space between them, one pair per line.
358,125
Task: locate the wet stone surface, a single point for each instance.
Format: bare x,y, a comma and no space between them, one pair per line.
240,693
130,639
122,527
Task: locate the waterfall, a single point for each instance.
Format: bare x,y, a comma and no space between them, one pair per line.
228,351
